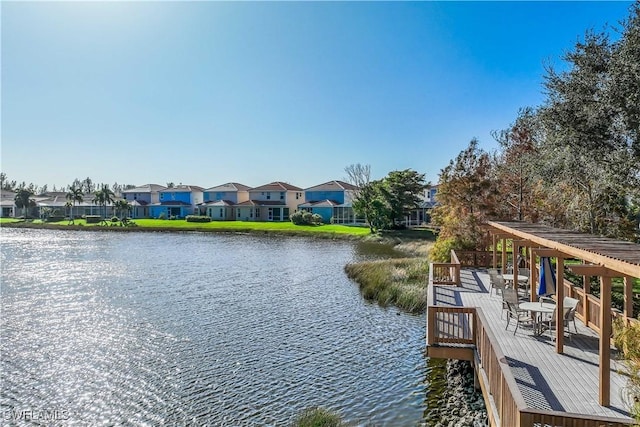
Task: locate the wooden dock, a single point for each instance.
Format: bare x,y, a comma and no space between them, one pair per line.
524,381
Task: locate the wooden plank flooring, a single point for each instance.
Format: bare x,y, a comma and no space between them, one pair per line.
549,381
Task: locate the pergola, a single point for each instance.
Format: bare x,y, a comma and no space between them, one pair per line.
602,257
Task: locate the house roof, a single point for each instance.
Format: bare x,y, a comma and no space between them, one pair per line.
260,203
332,186
4,194
7,203
182,189
217,203
320,204
138,203
229,186
277,186
146,188
171,203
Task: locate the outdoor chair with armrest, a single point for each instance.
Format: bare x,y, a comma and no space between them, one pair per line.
569,307
513,312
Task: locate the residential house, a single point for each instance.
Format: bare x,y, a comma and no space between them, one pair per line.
58,205
7,203
177,202
270,202
422,215
332,201
219,201
140,198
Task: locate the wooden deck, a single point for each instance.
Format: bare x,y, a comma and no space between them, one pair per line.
547,382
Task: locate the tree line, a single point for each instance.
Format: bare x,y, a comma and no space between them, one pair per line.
572,162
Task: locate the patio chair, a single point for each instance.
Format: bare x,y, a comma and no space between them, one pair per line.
513,312
569,308
497,282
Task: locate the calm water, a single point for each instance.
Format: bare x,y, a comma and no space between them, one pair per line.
198,329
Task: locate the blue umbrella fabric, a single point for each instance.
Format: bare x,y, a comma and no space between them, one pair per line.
547,285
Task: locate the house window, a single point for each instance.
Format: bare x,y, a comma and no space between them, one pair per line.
238,213
257,212
285,212
221,213
282,195
161,196
298,195
268,196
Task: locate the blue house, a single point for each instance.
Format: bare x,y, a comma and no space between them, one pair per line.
219,201
177,201
140,198
332,201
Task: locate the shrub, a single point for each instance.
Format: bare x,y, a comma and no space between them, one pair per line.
115,219
172,217
305,218
198,218
162,215
93,219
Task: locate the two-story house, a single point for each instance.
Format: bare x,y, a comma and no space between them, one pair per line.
140,198
422,215
270,202
331,200
7,203
219,201
177,202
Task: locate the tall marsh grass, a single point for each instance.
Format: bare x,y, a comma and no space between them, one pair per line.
401,282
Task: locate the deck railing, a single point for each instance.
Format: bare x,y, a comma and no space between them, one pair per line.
445,273
449,325
475,258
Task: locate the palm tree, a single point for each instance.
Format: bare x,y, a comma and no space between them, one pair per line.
24,201
122,206
103,197
74,195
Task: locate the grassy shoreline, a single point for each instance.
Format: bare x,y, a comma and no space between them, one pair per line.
401,282
329,231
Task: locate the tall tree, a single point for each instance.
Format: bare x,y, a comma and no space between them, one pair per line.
402,191
103,197
371,205
74,195
466,198
23,200
88,186
515,167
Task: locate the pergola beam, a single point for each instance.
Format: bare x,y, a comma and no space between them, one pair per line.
594,270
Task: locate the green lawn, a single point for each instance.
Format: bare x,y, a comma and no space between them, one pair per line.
240,226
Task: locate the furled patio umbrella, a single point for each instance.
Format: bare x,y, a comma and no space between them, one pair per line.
547,284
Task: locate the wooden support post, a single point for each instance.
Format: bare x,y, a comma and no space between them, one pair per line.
533,276
560,306
495,251
504,256
515,252
586,287
605,341
628,298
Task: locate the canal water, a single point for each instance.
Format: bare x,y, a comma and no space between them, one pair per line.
198,329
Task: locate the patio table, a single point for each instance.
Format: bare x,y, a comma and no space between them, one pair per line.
537,309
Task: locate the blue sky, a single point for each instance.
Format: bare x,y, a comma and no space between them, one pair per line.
205,93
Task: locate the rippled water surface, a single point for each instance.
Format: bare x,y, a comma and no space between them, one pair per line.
198,329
